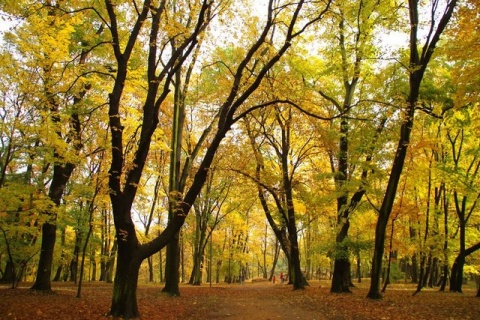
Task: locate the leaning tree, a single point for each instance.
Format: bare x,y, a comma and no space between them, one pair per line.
418,62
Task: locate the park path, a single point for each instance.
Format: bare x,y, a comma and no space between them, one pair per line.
260,301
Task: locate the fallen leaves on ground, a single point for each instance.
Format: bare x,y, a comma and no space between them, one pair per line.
258,300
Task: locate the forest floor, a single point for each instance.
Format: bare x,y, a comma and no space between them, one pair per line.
252,301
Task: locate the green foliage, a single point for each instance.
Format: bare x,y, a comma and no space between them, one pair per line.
396,274
344,249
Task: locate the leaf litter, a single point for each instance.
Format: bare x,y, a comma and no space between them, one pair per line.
252,301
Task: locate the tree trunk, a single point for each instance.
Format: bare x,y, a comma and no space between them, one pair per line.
433,279
91,209
389,265
217,273
124,299
111,263
196,275
414,272
276,254
456,275
456,278
74,261
199,247
444,279
445,241
296,274
58,274
44,271
359,267
9,273
341,276
150,269
94,267
61,175
172,265
374,292
160,262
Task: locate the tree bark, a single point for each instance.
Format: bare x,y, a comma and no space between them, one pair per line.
124,298
172,265
44,271
456,276
61,175
341,278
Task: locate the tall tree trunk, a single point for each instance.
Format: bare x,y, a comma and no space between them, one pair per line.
418,65
75,257
341,279
264,252
414,267
433,278
58,273
91,210
308,259
150,269
359,266
456,275
276,254
61,174
296,274
390,253
111,262
175,188
445,241
44,269
94,265
172,267
424,263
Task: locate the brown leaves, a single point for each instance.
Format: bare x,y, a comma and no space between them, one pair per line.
261,300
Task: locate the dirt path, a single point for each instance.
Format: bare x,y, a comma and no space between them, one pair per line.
258,301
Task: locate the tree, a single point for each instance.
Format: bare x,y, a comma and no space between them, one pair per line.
287,160
208,214
418,63
354,47
124,181
19,201
55,60
465,166
462,54
125,173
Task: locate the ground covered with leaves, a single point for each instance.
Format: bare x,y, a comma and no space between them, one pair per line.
257,300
